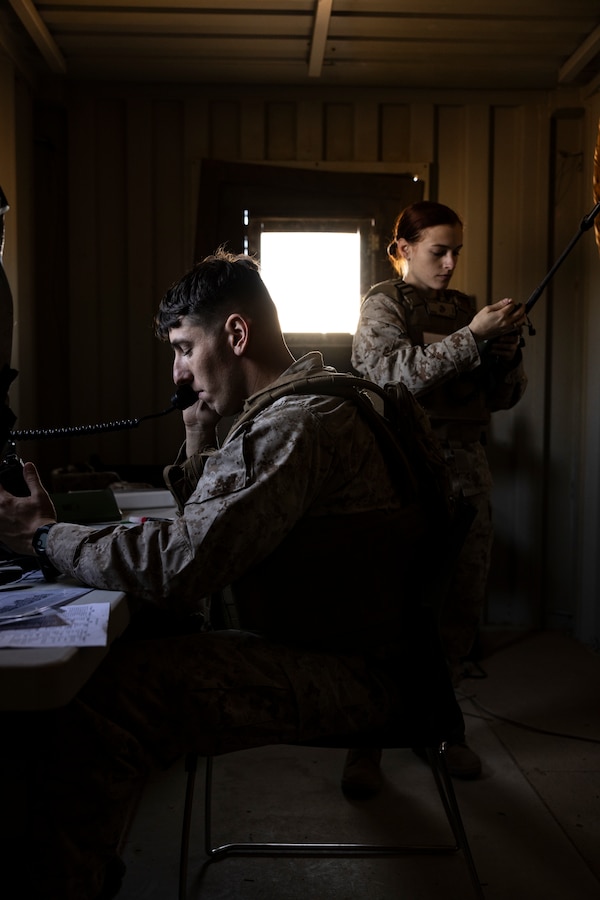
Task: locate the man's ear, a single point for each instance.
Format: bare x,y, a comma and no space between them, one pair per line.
237,331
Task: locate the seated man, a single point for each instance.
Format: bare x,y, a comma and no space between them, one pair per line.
296,512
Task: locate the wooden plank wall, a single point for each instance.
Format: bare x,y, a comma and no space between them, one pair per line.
133,164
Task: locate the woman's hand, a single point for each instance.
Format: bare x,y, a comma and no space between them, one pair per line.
20,517
505,346
499,319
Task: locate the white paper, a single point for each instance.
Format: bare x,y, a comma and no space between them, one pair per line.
69,626
32,593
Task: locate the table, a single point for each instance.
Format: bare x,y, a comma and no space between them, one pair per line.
49,677
41,678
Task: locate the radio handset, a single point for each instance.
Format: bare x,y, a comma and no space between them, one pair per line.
11,472
184,397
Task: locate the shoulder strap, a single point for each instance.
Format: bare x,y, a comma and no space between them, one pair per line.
376,405
370,397
397,289
391,288
401,426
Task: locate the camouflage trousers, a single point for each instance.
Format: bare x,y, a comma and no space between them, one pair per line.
152,700
464,602
465,599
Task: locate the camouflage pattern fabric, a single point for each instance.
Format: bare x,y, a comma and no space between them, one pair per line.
303,456
281,499
395,342
386,349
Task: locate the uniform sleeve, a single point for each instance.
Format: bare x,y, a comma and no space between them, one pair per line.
383,351
249,496
182,477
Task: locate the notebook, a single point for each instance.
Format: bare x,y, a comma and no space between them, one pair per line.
87,507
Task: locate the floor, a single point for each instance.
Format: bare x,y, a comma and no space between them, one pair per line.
533,818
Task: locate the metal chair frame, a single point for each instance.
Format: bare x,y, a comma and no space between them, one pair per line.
436,756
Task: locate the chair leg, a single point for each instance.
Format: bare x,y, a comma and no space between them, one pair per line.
191,765
208,848
437,760
439,766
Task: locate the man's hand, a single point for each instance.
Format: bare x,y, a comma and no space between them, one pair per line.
20,517
200,427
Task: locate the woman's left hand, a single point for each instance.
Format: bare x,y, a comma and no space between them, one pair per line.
506,345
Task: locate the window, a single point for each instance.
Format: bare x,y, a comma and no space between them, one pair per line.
315,270
313,278
240,202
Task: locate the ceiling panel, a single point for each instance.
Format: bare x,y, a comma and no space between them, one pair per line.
540,44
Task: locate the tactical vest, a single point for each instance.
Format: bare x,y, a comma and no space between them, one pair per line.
330,613
402,429
456,408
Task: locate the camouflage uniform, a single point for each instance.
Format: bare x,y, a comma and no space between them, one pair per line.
291,512
428,346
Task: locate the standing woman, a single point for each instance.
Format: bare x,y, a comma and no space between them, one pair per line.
414,329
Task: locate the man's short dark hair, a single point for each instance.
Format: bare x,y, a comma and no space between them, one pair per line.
215,287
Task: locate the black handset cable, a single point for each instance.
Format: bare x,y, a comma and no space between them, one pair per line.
185,396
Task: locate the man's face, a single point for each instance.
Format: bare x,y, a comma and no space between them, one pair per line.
206,361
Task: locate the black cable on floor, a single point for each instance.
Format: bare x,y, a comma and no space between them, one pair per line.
491,715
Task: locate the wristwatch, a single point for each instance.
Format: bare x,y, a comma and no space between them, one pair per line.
39,541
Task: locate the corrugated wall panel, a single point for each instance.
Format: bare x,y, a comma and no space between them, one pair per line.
224,129
83,299
252,128
489,159
394,131
517,448
565,388
474,256
281,131
170,259
450,149
587,625
142,211
366,132
339,132
310,130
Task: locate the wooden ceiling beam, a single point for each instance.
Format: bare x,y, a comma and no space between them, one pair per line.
578,60
40,35
319,38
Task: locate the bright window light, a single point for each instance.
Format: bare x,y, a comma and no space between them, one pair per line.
313,278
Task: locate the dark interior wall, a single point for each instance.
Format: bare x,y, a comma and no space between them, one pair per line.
133,164
267,191
51,270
